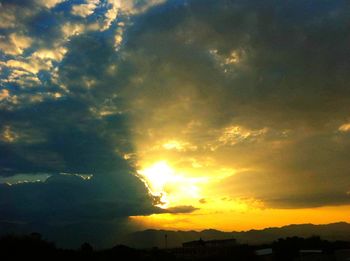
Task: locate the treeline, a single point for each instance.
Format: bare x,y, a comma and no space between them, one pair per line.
289,248
34,247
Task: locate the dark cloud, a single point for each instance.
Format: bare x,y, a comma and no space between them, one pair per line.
330,198
180,209
67,130
278,71
184,69
66,125
63,136
68,198
203,201
283,57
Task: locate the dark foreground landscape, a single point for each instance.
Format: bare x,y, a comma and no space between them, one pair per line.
34,246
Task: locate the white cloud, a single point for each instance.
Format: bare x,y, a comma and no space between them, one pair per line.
49,3
136,7
129,7
31,64
85,10
69,29
56,54
15,43
111,14
235,134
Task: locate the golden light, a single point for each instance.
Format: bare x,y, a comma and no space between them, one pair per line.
158,174
171,186
179,145
173,144
156,177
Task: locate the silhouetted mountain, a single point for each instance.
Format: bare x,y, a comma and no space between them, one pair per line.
156,238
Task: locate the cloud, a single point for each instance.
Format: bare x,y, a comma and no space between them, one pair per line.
15,44
66,204
49,3
4,94
62,117
344,127
137,7
7,20
32,66
180,209
35,43
249,94
265,94
56,54
85,10
203,201
38,32
64,136
235,134
67,198
70,29
310,201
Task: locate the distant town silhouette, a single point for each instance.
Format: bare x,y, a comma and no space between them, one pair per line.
33,246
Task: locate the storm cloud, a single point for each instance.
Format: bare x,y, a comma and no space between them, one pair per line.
254,85
257,86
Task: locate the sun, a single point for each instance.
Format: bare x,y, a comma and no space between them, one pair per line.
156,177
172,186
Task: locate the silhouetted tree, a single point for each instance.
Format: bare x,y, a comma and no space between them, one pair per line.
86,248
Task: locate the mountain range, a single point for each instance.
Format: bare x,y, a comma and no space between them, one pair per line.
156,238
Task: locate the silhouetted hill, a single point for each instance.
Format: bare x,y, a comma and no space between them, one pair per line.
34,246
155,238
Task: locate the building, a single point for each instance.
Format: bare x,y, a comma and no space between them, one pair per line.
342,255
202,249
313,255
265,254
210,243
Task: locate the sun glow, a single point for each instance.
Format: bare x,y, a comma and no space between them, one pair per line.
171,186
156,177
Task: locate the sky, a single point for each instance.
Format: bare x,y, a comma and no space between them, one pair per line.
121,115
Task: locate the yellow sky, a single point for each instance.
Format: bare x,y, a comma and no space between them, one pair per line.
202,185
235,220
